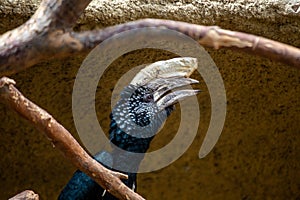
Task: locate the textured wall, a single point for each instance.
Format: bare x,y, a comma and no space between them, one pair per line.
257,156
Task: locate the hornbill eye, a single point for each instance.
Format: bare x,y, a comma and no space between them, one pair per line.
148,98
135,120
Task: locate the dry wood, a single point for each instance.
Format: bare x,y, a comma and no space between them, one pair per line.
48,34
209,36
64,141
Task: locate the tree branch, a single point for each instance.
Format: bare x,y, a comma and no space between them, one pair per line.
63,140
48,34
210,36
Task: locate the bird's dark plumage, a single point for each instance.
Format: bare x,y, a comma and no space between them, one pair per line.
135,120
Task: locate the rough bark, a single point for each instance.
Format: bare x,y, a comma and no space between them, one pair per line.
48,34
64,141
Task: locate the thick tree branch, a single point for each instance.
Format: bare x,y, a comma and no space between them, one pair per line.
42,36
48,34
63,140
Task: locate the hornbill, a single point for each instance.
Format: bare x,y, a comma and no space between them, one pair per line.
143,107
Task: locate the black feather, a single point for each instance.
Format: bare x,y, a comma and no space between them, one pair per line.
134,122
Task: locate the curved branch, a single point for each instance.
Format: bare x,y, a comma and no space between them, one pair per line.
20,50
209,36
59,14
35,40
63,140
48,35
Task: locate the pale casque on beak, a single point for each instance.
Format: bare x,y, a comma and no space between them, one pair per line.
166,76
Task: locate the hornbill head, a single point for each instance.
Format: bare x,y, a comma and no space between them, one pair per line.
148,100
142,109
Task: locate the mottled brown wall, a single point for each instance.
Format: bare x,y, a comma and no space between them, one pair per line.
258,154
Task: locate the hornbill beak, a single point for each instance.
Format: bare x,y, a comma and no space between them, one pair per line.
164,90
176,67
165,76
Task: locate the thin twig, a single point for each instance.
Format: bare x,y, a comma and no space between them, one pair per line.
63,140
49,34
